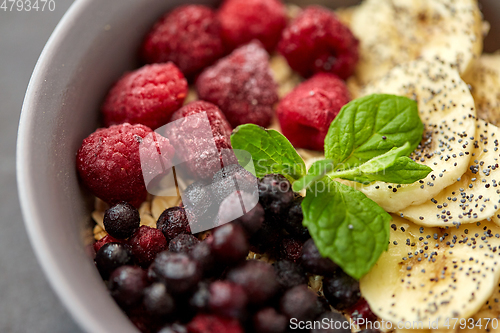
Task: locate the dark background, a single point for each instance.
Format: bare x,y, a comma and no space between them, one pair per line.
27,303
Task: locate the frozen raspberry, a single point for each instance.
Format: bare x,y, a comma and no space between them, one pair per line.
227,299
268,320
105,240
189,36
121,220
207,323
109,163
316,41
147,96
183,243
198,149
146,243
306,113
245,20
173,222
241,85
291,249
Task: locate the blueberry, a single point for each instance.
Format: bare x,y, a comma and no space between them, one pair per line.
313,262
231,210
289,274
300,302
173,328
199,204
127,284
291,249
337,323
341,290
293,221
268,320
227,299
121,220
183,243
157,301
200,298
257,278
233,178
275,195
111,256
230,244
172,222
362,310
177,270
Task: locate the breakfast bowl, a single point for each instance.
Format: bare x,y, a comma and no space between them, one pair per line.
93,45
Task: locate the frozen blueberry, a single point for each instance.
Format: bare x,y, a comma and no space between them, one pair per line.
199,203
111,256
230,244
172,222
293,222
121,220
231,209
127,284
200,298
183,243
202,253
337,323
177,270
173,328
300,302
341,290
233,178
227,299
289,274
275,195
157,301
313,262
268,320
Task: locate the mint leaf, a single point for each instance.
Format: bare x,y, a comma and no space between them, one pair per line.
357,133
346,226
317,171
270,151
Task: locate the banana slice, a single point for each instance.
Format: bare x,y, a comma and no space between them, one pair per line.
392,32
447,110
487,320
476,196
484,79
432,274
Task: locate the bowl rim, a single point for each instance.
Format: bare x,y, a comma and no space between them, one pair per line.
33,223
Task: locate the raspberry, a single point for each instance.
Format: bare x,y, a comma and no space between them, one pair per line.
245,20
173,222
109,163
241,85
306,113
183,243
316,41
147,96
198,149
105,240
206,323
291,249
189,36
146,243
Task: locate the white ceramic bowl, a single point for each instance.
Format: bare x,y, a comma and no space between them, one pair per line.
95,42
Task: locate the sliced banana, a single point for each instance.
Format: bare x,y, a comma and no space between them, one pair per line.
447,110
487,320
432,274
476,196
392,32
484,79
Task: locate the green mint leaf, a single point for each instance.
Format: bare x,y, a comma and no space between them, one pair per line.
403,171
317,171
270,151
346,226
371,126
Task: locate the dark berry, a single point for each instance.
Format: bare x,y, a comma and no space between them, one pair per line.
267,238
200,298
178,271
336,321
127,284
244,209
172,222
341,290
106,239
300,302
121,220
233,178
148,96
202,253
313,262
245,20
189,36
173,328
322,96
370,330
268,320
146,243
291,249
109,164
230,244
227,299
111,256
183,243
201,208
275,195
293,224
203,147
257,278
241,85
316,41
157,301
289,274
141,322
362,311
208,323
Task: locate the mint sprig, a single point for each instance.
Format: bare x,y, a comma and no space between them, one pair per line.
369,140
